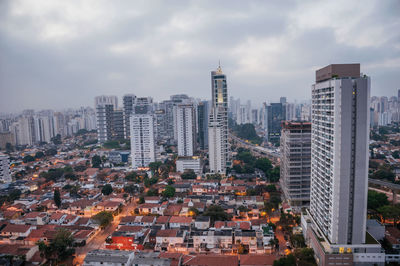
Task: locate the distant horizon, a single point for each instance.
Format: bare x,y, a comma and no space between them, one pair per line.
267,49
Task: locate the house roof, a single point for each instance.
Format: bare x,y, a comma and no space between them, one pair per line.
167,233
210,260
162,219
180,219
253,259
16,228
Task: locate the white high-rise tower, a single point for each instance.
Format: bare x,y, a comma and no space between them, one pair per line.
185,123
218,123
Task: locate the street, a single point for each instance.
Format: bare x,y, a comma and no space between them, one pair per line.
99,239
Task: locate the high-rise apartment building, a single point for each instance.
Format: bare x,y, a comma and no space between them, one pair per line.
185,124
128,101
105,106
339,168
296,163
202,124
5,176
142,131
218,121
215,143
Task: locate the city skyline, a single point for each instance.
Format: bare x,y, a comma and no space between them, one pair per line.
52,59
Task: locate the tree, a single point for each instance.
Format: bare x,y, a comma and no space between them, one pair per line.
169,192
39,155
96,161
131,189
57,140
51,152
193,211
248,132
396,154
298,241
152,192
305,256
190,174
390,212
289,260
263,164
216,213
59,249
103,218
107,190
14,195
28,158
376,199
154,166
242,249
57,198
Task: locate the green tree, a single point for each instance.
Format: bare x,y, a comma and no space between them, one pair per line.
169,192
154,166
39,155
248,132
112,144
107,190
51,152
96,161
298,241
103,218
216,213
57,198
14,195
289,260
131,189
190,174
376,199
263,164
59,249
28,158
152,192
57,140
305,257
390,212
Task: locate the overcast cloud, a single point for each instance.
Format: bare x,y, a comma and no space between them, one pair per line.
59,54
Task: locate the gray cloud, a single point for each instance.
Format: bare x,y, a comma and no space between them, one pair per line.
59,54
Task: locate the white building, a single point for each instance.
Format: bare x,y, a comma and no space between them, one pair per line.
215,144
339,168
189,163
219,150
5,175
185,125
142,131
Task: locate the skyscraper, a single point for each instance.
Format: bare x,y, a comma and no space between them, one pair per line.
185,124
218,121
105,106
339,167
202,124
5,176
296,163
275,114
142,129
128,101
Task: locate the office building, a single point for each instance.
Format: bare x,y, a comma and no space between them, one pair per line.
218,124
185,125
202,125
142,131
5,175
275,114
296,163
128,101
339,168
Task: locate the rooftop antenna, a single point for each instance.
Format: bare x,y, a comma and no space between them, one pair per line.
219,70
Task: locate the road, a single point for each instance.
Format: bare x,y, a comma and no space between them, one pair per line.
98,240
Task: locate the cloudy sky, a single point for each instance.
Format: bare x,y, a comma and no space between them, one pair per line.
59,54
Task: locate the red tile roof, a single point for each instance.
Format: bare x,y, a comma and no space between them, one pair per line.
167,233
247,260
180,219
210,260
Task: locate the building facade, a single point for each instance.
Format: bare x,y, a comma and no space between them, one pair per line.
295,164
185,124
218,124
5,175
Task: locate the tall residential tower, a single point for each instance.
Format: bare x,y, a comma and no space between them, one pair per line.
218,123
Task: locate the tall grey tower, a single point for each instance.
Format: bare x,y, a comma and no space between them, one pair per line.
219,115
339,160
